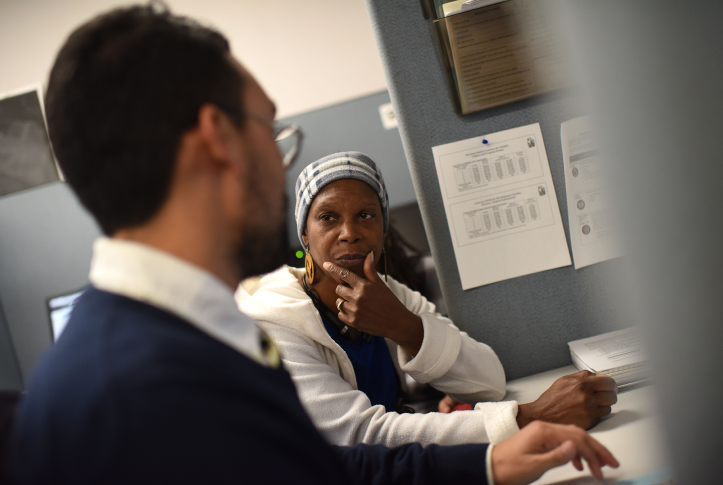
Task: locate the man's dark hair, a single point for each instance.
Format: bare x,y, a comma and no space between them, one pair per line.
123,90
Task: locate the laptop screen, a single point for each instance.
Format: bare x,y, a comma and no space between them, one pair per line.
59,309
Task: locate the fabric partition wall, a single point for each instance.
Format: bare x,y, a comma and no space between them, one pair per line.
46,239
527,320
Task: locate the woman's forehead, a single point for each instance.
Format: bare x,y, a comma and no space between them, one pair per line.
345,191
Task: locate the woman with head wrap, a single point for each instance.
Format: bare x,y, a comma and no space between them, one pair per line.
346,333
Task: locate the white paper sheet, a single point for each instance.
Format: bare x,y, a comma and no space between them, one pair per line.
501,206
593,231
622,349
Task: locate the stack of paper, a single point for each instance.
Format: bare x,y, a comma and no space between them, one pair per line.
618,354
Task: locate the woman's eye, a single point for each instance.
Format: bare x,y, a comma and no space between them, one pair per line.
325,217
366,215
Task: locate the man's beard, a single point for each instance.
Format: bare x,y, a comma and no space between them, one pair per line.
263,249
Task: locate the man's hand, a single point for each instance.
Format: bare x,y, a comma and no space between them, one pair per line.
580,399
370,306
527,454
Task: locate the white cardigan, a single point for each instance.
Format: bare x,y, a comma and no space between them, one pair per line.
449,360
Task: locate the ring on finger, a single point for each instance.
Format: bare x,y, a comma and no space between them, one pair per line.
339,304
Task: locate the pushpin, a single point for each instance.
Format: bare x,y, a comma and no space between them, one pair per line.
484,141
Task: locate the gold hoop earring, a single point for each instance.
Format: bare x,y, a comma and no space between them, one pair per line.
384,253
309,264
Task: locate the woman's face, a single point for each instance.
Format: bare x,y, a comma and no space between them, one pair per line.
344,224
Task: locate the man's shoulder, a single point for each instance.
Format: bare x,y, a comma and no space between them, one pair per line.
119,340
156,379
122,352
98,315
99,305
103,318
114,347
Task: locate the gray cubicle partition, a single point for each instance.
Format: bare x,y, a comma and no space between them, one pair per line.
353,125
45,248
527,320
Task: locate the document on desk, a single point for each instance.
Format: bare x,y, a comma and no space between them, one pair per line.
593,232
620,354
501,206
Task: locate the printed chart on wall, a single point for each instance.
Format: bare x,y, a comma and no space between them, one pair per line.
501,206
593,232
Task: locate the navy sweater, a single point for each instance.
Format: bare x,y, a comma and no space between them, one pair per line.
133,394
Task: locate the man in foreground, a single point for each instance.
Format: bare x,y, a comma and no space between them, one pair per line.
158,378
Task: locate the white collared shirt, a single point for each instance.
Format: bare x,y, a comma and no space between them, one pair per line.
140,272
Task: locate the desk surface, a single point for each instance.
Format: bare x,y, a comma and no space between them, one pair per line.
630,432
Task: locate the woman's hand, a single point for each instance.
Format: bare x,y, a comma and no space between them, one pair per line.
368,305
582,399
446,405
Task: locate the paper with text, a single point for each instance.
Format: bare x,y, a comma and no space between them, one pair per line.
622,349
501,206
594,234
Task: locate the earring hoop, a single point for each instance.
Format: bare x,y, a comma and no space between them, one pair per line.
309,264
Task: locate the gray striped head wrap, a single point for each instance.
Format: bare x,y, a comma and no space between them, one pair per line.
338,166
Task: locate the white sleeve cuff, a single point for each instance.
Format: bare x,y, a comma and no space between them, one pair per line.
439,351
488,465
500,419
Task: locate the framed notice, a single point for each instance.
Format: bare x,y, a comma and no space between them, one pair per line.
500,53
26,159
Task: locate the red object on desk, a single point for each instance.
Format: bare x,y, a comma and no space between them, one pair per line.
462,407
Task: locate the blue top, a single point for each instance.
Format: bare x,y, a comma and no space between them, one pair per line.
373,367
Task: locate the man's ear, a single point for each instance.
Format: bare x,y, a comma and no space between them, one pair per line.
216,130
